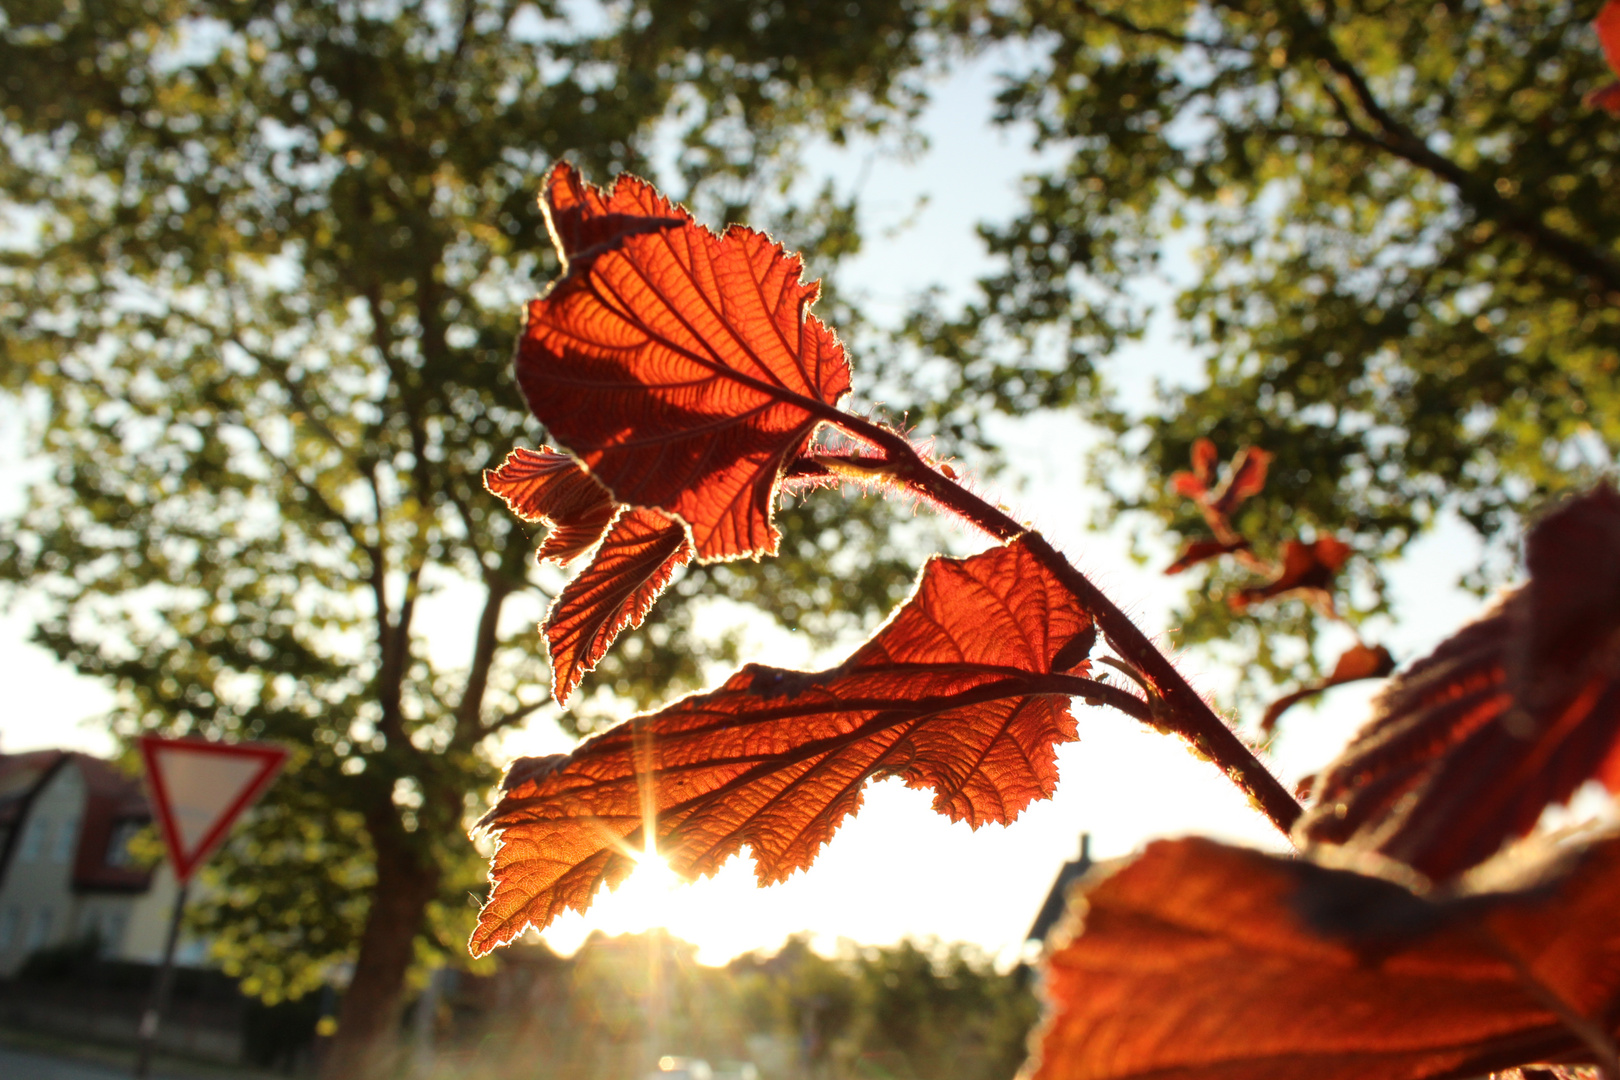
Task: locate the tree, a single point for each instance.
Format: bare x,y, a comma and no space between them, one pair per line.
1402,268
258,308
905,1010
1422,927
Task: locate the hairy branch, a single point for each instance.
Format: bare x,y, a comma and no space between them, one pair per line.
1176,706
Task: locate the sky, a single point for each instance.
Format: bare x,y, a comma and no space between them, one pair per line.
897,869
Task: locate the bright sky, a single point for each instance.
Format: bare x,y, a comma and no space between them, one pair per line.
897,869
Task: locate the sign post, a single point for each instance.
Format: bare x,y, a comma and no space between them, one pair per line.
198,790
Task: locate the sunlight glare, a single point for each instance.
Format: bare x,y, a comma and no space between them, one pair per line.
643,901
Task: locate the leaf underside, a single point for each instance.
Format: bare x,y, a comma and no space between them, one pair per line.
632,567
545,486
1306,568
1357,662
775,759
1607,25
1200,961
1512,714
681,367
1199,551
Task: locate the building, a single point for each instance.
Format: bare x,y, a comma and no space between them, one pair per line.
66,872
1057,897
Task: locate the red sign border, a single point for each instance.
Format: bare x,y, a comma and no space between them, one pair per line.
272,757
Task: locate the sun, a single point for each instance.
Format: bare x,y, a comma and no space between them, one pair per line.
643,900
715,913
652,877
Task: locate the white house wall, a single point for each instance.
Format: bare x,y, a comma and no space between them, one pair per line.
37,890
37,905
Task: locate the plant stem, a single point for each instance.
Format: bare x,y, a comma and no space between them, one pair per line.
1178,707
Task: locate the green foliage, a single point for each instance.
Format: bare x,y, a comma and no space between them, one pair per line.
258,303
916,1009
895,1012
1401,228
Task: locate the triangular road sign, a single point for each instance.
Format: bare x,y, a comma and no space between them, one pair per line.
199,789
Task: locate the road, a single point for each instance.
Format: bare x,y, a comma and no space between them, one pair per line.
31,1065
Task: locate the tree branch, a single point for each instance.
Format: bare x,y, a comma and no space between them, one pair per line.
1169,37
1395,137
1176,706
470,709
506,720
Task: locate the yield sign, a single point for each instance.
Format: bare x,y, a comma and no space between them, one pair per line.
199,788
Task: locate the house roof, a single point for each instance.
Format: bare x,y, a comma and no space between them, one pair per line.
1057,898
111,797
20,776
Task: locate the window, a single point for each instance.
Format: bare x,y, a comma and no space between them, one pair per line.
39,931
112,931
102,926
33,839
118,853
66,834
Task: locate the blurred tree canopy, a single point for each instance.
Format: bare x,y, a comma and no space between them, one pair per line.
910,1010
1403,261
260,281
894,1012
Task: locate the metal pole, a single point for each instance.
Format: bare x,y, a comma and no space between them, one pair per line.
161,987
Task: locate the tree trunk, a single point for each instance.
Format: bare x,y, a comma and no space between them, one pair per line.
366,1045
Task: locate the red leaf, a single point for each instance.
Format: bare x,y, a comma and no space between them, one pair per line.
1204,459
1245,479
1198,551
1358,662
543,485
1605,97
617,589
1187,485
682,368
1607,25
1512,714
1199,961
775,759
584,221
1306,567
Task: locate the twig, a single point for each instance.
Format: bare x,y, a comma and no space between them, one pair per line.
1177,706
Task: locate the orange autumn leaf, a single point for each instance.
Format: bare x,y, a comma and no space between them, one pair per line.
1607,25
683,368
1204,459
1198,551
1358,662
1244,480
1510,715
633,565
1196,483
948,696
1188,485
1200,961
543,485
1308,568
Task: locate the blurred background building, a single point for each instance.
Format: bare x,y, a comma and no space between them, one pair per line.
67,874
